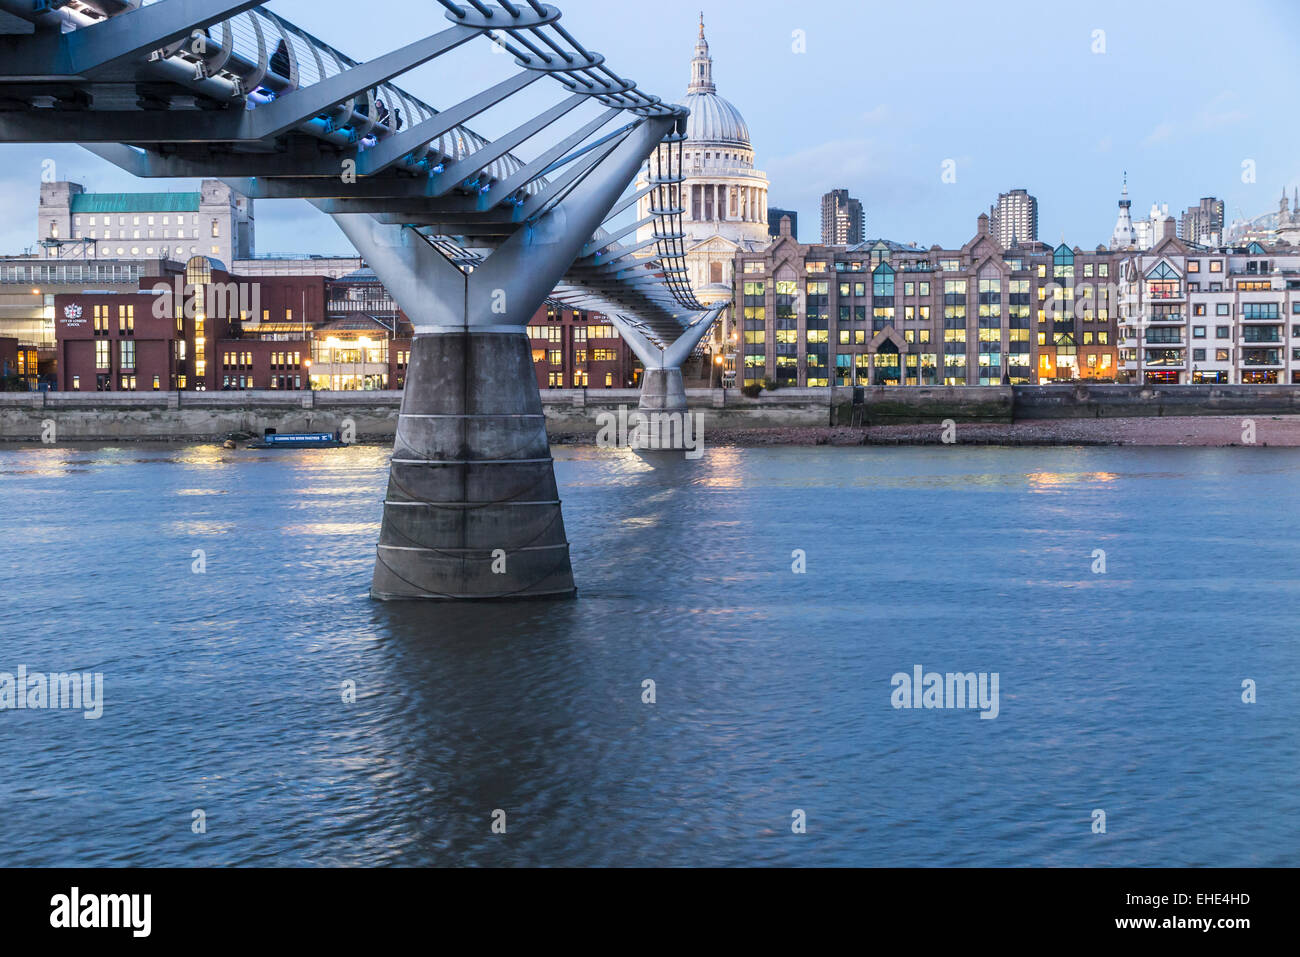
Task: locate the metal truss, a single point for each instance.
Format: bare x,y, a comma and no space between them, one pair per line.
227,89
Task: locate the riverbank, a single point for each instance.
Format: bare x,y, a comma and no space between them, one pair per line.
1006,415
1192,431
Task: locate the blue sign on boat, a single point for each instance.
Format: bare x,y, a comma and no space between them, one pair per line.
299,438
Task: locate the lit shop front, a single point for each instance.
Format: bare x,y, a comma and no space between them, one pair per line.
349,363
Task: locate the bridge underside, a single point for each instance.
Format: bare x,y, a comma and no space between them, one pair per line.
469,237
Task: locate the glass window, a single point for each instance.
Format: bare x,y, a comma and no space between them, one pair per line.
882,281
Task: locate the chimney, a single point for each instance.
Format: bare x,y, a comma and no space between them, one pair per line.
1169,228
785,226
982,225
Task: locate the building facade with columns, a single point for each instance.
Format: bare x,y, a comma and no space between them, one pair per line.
723,195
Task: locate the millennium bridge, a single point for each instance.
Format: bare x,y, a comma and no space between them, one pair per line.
468,237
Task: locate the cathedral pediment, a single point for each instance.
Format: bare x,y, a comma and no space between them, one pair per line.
715,244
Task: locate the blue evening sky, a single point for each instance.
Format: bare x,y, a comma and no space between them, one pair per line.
886,92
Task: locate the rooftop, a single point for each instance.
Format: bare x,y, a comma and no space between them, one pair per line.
135,203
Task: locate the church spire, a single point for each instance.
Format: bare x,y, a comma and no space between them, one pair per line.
702,65
1124,234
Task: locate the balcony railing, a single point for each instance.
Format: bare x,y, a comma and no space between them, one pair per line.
1271,357
1165,357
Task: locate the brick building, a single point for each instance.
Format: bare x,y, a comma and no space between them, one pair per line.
575,349
207,329
203,331
366,341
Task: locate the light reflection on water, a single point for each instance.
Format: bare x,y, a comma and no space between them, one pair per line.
1119,691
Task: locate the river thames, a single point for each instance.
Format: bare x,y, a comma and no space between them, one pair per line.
1121,595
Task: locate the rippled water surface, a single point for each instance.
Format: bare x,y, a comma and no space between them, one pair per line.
1118,691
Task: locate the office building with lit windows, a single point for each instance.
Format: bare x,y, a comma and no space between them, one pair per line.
18,365
1013,219
576,349
29,285
219,332
844,221
885,313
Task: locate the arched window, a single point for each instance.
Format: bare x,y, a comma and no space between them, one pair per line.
198,271
1163,282
1063,262
882,281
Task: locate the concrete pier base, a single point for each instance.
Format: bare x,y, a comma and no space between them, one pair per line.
472,509
662,390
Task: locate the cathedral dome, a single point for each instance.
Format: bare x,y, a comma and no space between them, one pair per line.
713,120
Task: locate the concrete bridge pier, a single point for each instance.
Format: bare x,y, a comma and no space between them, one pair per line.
662,386
472,509
662,390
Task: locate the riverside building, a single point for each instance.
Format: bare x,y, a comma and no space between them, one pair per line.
576,349
30,284
1201,314
885,313
209,331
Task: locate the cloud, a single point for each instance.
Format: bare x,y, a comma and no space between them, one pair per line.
877,114
828,165
1220,112
1160,134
